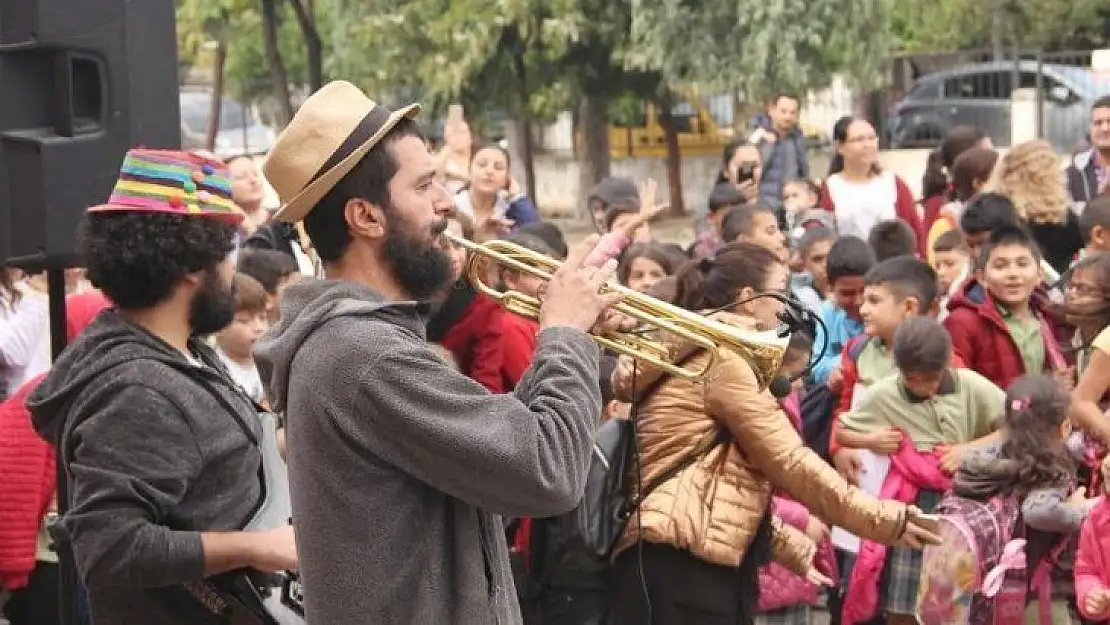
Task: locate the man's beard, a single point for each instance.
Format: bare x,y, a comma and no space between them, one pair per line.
213,305
421,269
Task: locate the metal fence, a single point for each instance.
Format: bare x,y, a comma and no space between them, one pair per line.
935,92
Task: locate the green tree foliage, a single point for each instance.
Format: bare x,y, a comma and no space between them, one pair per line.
485,53
199,22
861,44
943,25
757,46
240,23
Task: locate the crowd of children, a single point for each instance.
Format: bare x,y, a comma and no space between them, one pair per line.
967,364
912,363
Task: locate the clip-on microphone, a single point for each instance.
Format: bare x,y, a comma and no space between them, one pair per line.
796,317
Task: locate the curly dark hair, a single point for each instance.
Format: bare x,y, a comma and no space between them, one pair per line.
1032,448
138,259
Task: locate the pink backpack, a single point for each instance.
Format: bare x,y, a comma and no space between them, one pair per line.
977,575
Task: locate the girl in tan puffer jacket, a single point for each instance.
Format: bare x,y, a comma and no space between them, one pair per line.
690,553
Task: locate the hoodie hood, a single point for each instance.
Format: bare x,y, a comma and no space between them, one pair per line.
974,295
107,342
971,294
306,306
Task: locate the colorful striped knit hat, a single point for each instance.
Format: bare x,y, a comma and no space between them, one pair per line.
168,181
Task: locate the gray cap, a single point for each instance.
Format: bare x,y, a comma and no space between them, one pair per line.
613,191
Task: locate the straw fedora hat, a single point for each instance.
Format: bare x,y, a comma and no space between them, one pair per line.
329,135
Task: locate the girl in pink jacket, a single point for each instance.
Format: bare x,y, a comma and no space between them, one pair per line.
1092,564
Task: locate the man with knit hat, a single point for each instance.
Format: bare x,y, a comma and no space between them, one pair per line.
400,467
164,454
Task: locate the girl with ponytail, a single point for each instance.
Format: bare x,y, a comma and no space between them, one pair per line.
968,174
720,446
861,193
936,185
1032,463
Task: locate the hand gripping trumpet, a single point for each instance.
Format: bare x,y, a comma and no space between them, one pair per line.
762,350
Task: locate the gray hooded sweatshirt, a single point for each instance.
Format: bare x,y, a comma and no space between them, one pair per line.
154,459
400,466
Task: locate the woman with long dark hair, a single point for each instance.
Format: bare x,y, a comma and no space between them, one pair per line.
492,199
936,184
691,551
859,191
741,167
740,173
968,174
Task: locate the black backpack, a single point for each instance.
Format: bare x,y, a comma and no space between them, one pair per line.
589,532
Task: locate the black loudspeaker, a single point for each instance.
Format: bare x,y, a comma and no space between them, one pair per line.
81,82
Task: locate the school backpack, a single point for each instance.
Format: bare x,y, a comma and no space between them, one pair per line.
977,575
588,533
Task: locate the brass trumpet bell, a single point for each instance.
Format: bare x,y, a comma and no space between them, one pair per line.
762,350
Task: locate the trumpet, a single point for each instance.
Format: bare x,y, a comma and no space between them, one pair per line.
762,350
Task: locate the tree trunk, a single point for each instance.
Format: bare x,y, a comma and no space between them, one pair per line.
278,73
593,157
674,157
738,121
314,49
527,154
998,31
216,107
524,124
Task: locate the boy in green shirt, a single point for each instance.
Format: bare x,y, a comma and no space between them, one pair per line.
943,410
895,290
928,400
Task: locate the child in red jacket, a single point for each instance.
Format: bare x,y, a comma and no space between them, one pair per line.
999,320
28,566
468,323
518,334
1092,562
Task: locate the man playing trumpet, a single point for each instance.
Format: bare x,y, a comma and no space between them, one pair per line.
401,467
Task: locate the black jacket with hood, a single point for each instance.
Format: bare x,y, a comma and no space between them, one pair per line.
153,459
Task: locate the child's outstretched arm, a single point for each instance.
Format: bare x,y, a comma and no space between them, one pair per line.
1090,592
613,243
1053,510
